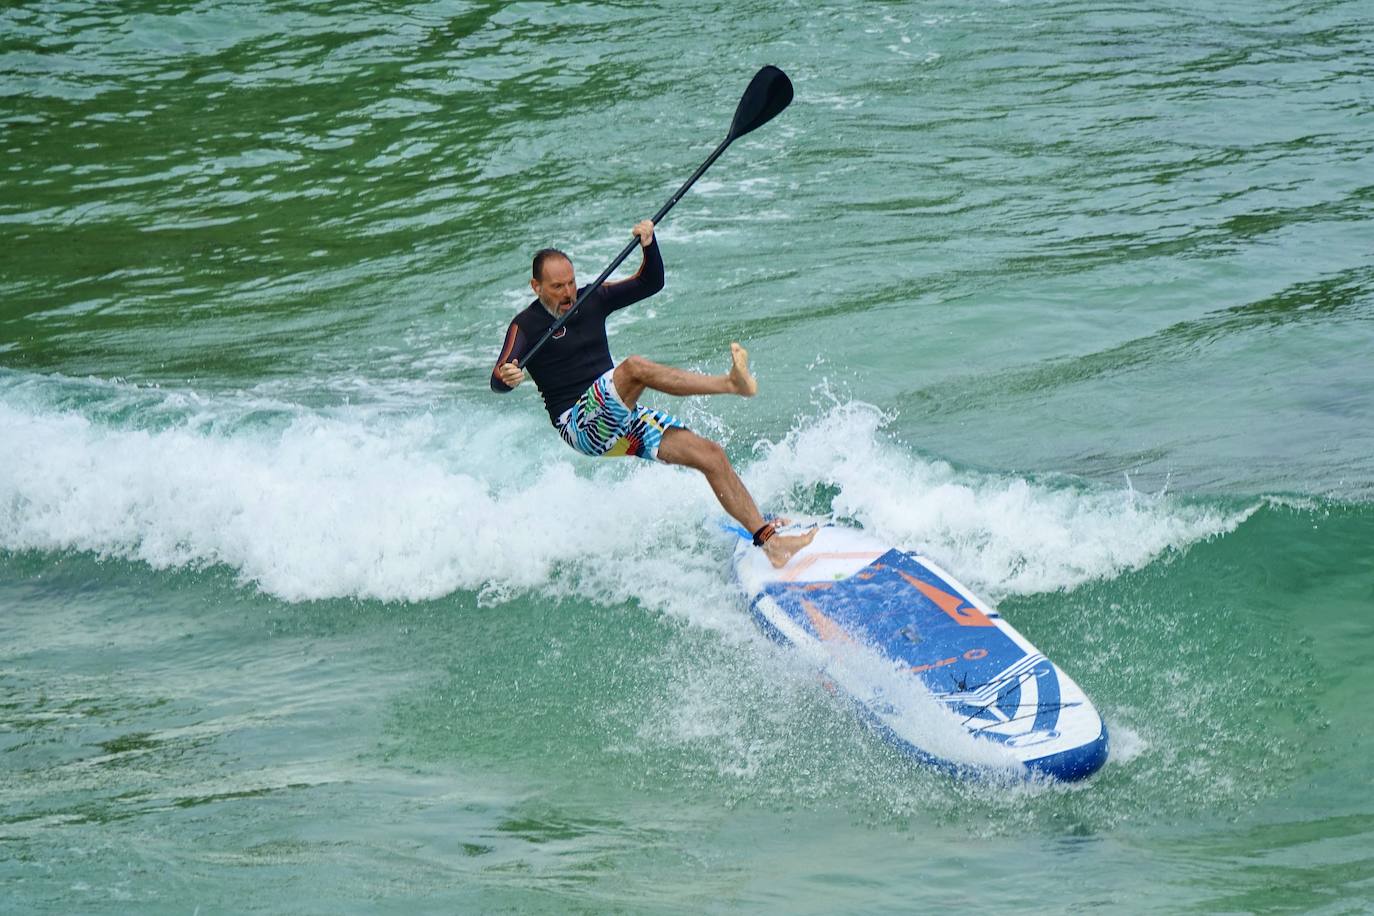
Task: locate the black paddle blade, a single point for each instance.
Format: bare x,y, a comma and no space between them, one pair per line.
769,92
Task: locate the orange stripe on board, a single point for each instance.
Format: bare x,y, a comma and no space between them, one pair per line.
964,616
793,572
827,629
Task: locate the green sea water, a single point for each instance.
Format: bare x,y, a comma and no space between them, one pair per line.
296,615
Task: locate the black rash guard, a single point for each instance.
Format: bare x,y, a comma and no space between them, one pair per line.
579,353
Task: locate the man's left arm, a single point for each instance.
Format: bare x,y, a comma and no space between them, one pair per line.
646,281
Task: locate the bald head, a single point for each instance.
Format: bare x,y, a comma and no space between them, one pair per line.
542,255
554,281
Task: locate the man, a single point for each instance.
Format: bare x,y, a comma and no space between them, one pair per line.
594,403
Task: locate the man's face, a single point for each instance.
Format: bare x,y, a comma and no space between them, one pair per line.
558,290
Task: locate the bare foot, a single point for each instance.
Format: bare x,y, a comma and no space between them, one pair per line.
744,383
782,547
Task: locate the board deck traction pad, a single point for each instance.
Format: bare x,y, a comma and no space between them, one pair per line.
913,613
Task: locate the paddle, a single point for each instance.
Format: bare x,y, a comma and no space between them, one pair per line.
769,92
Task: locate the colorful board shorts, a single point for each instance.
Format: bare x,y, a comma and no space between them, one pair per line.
600,424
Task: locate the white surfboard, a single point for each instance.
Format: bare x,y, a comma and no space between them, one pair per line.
936,670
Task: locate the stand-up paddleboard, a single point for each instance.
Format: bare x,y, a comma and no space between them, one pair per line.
930,665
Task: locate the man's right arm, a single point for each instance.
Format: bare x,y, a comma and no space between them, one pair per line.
505,375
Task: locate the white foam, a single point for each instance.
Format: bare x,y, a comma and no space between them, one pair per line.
742,714
904,705
1000,534
1126,743
375,502
349,504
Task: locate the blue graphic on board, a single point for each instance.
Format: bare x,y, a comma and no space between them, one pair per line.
900,607
848,589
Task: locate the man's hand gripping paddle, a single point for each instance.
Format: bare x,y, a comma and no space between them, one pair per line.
769,92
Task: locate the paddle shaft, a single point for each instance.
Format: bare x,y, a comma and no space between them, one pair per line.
625,252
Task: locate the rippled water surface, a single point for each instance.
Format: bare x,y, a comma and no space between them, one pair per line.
297,616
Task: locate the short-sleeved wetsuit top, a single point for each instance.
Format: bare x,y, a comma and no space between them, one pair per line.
579,353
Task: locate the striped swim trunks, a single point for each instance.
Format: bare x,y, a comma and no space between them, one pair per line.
600,424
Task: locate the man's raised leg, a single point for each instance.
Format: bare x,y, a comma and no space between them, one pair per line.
682,446
635,373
